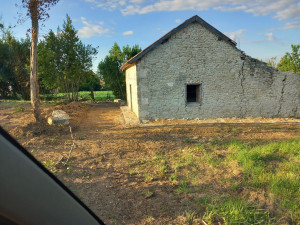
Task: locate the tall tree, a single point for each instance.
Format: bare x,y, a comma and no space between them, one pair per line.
109,68
37,11
64,60
291,61
51,65
14,65
5,69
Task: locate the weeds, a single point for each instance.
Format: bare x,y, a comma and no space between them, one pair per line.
187,140
183,188
132,172
148,194
19,109
190,217
235,211
149,219
50,165
235,166
274,168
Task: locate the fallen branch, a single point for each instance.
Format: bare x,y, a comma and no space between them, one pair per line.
204,222
72,147
59,161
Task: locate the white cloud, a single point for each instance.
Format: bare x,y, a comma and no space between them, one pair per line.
230,9
167,5
236,35
109,4
92,1
283,9
271,37
90,30
122,2
178,20
293,11
279,9
129,32
291,25
137,1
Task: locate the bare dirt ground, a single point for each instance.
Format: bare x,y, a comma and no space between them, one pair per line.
99,168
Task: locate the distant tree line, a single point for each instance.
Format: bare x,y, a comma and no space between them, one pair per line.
65,64
14,65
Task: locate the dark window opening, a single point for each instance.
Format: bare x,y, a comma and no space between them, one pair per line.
193,93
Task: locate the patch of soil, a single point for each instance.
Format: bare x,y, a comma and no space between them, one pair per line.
99,167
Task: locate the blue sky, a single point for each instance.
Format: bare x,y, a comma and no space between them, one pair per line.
262,28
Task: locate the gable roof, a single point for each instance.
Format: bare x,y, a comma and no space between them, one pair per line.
175,30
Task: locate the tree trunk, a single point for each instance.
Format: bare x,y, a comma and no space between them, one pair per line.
92,94
34,87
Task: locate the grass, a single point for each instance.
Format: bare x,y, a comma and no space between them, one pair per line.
235,211
57,98
84,95
19,109
50,165
230,173
273,167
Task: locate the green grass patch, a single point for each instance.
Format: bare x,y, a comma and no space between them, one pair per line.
235,211
275,168
84,95
233,169
19,109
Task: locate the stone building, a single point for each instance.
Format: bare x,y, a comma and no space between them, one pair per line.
195,71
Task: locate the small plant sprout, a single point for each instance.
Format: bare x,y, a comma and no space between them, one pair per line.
190,217
187,140
132,172
148,194
69,169
149,219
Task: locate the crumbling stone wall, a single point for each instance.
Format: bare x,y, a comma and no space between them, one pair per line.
233,84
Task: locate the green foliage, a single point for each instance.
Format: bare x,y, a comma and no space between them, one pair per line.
14,66
190,217
183,188
291,61
272,62
235,211
109,68
50,63
84,95
90,82
50,165
64,61
273,167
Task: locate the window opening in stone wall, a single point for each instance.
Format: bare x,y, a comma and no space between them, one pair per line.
193,93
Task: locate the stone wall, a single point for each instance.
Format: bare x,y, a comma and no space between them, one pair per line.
233,84
132,94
